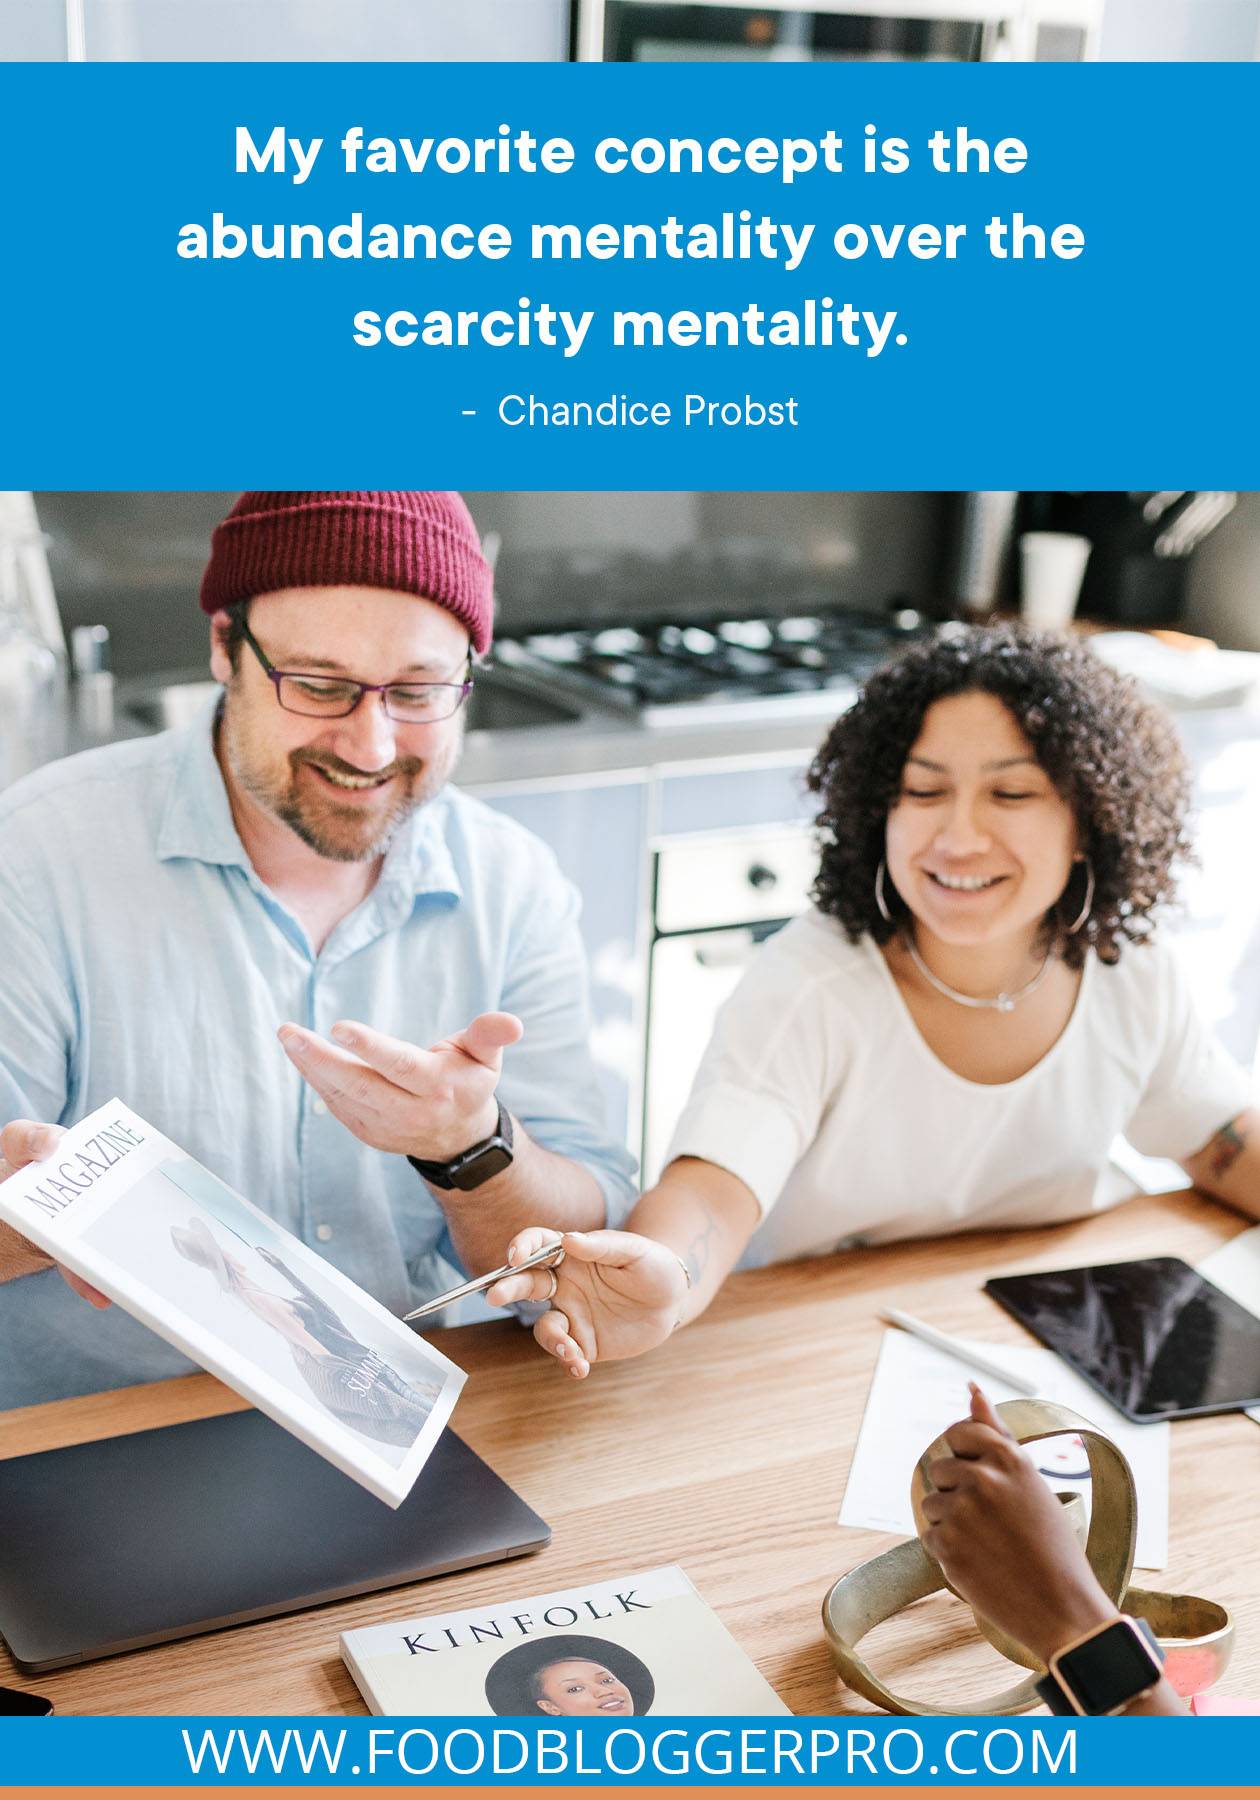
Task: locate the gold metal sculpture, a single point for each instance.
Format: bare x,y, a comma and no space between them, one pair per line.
1196,1635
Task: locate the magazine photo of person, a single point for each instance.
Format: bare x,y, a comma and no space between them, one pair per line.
570,1677
354,1382
236,1274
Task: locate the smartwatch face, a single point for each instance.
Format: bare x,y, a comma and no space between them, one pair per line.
491,1162
1110,1669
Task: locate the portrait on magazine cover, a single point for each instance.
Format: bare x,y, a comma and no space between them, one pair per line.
570,1677
231,1271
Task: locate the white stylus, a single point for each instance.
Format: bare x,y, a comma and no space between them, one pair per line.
550,1256
955,1347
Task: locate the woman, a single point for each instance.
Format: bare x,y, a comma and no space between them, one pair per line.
351,1380
970,1015
568,1677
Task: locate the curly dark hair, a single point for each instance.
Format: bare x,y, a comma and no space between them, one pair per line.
1112,755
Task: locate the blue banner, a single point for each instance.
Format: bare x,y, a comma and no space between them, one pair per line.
823,276
857,1753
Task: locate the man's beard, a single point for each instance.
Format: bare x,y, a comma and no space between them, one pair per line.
340,831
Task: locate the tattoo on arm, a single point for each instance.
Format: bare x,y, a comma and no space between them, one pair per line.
1226,1147
699,1247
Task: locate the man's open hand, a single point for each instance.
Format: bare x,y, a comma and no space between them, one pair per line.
433,1103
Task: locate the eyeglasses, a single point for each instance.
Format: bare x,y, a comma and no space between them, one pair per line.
336,696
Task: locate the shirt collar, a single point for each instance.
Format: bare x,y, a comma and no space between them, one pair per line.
197,823
419,859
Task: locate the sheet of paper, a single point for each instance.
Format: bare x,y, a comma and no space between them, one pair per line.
917,1391
1235,1269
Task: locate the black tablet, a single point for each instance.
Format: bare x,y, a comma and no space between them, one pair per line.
1153,1336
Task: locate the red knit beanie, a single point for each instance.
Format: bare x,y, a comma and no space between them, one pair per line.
423,544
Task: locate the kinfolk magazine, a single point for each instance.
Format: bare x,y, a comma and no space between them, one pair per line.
607,1650
129,1211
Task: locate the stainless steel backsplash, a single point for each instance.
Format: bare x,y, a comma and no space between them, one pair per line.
133,561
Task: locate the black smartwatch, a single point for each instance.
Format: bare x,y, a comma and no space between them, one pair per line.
1104,1671
472,1167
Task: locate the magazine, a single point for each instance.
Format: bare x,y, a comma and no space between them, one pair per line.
134,1215
607,1650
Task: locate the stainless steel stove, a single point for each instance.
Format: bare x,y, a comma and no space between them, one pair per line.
707,670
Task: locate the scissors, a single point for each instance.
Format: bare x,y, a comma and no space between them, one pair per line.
549,1257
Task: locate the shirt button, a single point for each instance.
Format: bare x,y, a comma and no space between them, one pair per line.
323,1233
318,1108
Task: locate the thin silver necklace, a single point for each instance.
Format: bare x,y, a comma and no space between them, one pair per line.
999,1002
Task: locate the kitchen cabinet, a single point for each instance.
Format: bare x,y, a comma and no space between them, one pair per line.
1180,31
912,30
598,833
612,838
322,31
732,799
33,31
733,859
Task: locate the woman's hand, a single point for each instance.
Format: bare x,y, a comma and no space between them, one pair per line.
1005,1541
616,1294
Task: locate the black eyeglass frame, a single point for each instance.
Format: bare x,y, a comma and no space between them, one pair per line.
275,676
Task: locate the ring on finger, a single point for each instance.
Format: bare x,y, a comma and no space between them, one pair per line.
551,1291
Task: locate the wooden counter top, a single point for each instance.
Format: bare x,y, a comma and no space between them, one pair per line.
726,1451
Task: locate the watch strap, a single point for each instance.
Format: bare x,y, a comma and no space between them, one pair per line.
462,1171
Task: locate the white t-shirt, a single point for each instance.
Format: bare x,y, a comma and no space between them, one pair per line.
819,1092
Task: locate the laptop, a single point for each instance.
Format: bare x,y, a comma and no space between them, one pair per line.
129,1541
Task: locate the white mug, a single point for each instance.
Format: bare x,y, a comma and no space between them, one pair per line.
1052,567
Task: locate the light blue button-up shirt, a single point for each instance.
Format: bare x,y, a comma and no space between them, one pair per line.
141,956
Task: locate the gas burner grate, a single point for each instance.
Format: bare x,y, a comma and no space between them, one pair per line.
656,664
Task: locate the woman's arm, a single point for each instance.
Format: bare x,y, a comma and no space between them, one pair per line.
1006,1545
619,1293
1228,1166
706,1216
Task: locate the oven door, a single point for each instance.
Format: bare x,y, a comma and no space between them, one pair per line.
692,976
837,30
716,897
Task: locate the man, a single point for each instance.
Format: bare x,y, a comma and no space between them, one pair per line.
297,865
